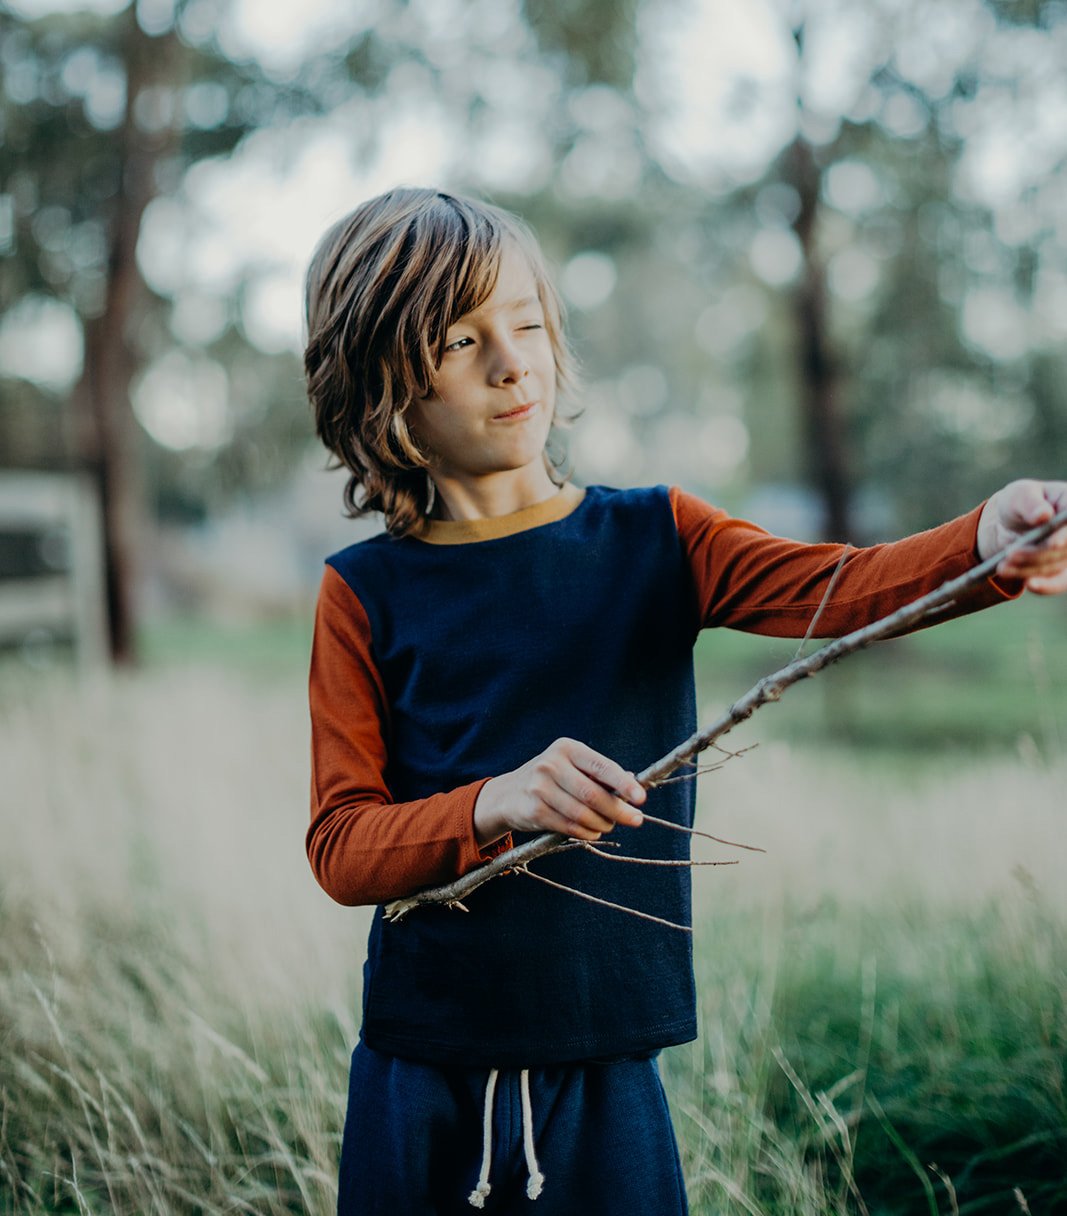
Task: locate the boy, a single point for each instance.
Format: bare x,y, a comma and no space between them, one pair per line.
508,1055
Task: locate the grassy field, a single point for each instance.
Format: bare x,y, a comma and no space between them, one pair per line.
984,681
980,682
883,992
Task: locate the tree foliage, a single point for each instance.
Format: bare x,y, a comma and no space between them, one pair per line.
765,272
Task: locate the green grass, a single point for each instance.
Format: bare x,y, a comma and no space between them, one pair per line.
278,646
986,681
978,682
883,990
876,1057
136,1081
838,1063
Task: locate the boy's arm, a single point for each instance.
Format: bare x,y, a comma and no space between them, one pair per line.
747,579
364,848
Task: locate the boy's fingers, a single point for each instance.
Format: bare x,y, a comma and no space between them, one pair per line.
1052,585
1032,502
1056,493
607,773
1042,568
569,827
1031,506
1015,509
1026,504
586,792
580,819
1035,563
1029,562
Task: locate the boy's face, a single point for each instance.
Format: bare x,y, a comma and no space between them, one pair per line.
495,392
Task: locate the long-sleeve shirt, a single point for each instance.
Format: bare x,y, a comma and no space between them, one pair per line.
443,660
365,847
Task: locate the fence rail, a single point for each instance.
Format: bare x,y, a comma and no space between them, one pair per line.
51,564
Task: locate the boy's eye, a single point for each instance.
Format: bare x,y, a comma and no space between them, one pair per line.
457,344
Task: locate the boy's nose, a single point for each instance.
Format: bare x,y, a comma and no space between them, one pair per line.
509,366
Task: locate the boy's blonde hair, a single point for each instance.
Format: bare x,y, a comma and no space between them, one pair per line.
382,289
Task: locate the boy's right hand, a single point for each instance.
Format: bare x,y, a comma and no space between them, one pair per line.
568,788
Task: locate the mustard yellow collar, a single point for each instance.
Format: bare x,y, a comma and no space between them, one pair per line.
469,531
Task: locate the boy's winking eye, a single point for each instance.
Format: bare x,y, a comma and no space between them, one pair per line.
527,313
460,342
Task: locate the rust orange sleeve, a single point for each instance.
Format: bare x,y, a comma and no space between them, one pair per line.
745,578
364,848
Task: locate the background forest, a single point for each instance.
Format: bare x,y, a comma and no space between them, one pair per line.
815,253
815,259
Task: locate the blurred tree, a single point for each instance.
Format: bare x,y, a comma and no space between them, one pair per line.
882,363
100,114
926,274
817,245
592,41
964,400
826,441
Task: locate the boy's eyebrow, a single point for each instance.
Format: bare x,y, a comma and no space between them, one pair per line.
510,306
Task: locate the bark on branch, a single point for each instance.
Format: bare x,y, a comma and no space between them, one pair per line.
769,689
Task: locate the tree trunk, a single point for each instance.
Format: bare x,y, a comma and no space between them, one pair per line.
107,433
824,430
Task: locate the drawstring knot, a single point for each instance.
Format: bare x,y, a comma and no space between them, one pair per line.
478,1196
535,1180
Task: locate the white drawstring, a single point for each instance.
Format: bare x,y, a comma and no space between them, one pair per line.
477,1197
536,1180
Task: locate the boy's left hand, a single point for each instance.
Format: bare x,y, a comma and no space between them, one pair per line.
1018,507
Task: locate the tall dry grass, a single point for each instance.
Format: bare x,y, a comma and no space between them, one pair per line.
177,998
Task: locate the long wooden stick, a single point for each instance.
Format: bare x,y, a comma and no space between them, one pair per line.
769,689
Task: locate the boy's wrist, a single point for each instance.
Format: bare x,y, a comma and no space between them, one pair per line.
985,540
489,823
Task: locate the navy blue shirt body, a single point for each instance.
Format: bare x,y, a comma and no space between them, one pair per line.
488,651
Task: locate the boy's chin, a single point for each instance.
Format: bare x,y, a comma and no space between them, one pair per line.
521,457
533,463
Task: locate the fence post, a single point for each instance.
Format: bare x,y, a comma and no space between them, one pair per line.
51,563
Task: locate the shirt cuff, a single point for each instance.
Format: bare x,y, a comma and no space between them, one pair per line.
1004,588
472,854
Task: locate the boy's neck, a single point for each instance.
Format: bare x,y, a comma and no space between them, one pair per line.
492,496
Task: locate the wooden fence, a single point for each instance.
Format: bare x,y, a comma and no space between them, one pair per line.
51,565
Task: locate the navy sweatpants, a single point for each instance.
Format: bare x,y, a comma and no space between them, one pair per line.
413,1140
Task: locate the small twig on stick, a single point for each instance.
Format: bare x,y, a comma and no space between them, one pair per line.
595,899
651,861
727,756
678,827
769,689
809,633
451,893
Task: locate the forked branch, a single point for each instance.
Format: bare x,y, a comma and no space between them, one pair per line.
769,689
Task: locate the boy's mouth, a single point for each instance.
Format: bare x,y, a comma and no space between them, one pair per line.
520,411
